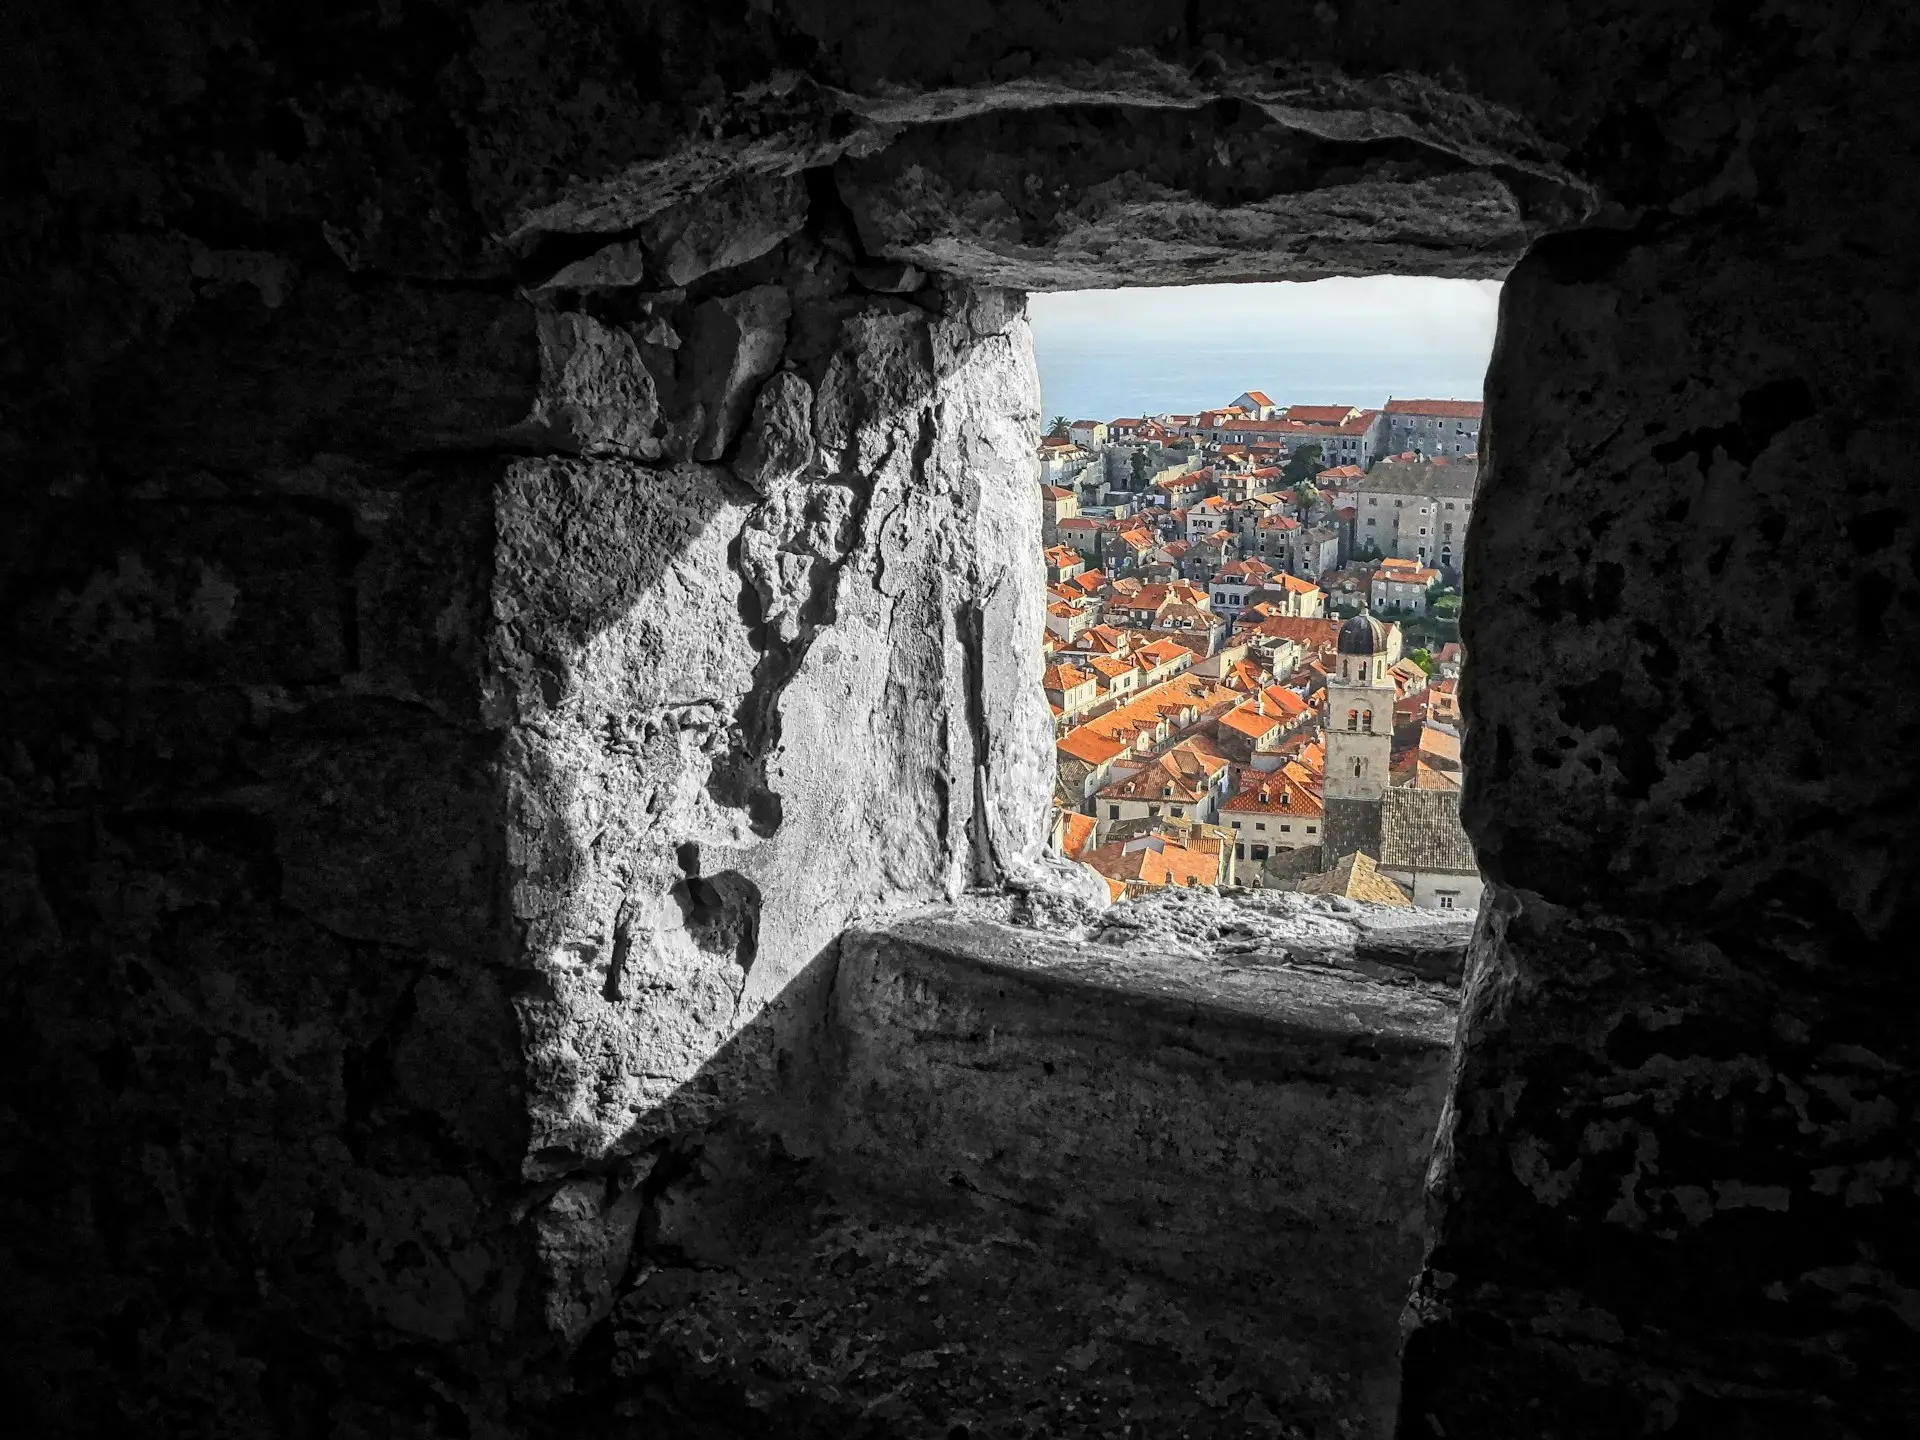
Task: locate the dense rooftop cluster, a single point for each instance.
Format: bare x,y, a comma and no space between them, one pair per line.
1216,723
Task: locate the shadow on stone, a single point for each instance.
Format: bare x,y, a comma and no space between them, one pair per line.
1004,1181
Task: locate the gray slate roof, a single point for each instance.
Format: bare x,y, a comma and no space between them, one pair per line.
1420,830
1454,480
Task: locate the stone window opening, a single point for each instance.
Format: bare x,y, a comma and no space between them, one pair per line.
793,508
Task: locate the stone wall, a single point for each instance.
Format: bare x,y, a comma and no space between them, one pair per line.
445,717
1161,1174
1678,1187
690,654
463,472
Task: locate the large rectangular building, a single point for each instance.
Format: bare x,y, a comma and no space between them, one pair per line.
1433,427
1416,510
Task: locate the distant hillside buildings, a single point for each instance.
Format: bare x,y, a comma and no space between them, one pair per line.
1216,721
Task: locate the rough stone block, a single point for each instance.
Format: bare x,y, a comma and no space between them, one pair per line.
234,589
236,382
736,221
597,397
1060,1182
737,343
778,445
388,828
421,586
1260,1133
612,267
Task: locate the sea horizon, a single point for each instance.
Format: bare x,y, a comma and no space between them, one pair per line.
1084,384
1104,355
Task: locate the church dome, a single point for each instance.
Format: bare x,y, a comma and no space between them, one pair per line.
1363,635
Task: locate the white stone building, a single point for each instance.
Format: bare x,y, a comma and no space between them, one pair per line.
1416,509
1425,851
1433,427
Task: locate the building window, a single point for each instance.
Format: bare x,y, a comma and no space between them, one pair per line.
1259,852
1259,824
1446,902
1357,764
1353,719
1239,852
1286,829
1236,824
1313,829
1113,812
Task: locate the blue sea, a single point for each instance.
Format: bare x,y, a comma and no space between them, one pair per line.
1353,341
1098,382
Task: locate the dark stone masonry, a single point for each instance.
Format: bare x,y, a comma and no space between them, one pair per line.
517,563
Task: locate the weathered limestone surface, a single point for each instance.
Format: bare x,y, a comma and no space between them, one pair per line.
493,802
681,711
1688,1088
495,498
1060,1178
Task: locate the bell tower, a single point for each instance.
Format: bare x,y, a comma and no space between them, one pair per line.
1359,739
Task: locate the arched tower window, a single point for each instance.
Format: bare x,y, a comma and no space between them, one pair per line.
1366,721
1353,719
1358,766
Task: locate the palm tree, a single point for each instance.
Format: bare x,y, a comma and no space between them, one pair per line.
1059,425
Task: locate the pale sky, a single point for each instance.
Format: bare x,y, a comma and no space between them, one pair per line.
1358,341
1422,314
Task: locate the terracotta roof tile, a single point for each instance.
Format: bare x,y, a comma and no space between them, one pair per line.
1446,409
1319,414
1420,830
1357,878
1273,793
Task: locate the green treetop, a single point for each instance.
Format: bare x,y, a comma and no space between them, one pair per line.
1303,464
